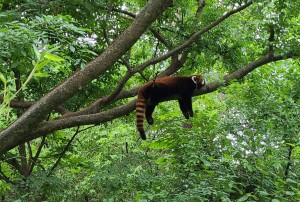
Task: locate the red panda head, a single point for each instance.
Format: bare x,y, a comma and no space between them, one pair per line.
198,80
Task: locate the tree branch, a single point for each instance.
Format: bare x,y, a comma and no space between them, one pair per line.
21,129
194,37
54,125
155,33
96,106
64,151
5,178
201,4
271,39
19,104
11,159
289,163
37,154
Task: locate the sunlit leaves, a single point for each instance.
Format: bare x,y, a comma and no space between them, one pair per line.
241,145
2,78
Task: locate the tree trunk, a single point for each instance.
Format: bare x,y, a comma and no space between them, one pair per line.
20,129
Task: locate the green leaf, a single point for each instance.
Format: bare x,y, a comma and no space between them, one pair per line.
53,49
2,78
36,51
40,65
53,57
41,74
226,156
243,198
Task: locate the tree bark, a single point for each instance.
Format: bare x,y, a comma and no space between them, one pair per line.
101,117
23,127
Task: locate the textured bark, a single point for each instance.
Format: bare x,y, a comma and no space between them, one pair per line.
23,130
23,127
54,125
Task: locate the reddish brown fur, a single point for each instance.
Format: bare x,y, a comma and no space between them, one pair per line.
161,89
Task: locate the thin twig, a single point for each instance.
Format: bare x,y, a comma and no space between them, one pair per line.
37,154
288,165
64,151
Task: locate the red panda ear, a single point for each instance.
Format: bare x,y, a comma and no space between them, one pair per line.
194,79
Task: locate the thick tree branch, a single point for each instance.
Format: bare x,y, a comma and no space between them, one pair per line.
19,104
97,105
193,37
51,126
54,125
16,132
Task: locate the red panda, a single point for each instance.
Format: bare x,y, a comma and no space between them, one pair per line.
160,89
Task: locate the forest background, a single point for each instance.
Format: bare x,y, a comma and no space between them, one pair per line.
69,75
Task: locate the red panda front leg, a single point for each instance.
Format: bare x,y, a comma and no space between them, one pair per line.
186,107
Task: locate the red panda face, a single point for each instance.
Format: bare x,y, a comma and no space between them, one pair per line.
198,80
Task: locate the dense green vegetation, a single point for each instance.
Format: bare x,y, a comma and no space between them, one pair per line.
243,143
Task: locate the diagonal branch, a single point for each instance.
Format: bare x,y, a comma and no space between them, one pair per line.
154,32
201,4
53,125
64,152
5,178
196,35
37,154
97,105
17,132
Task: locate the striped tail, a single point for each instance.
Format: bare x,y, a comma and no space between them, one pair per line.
140,114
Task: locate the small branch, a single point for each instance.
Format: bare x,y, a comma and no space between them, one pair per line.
29,150
271,40
11,160
5,178
19,104
288,165
201,4
124,12
64,151
54,125
155,33
193,37
160,38
97,105
37,154
175,65
24,164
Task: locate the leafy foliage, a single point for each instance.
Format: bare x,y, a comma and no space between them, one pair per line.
241,145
